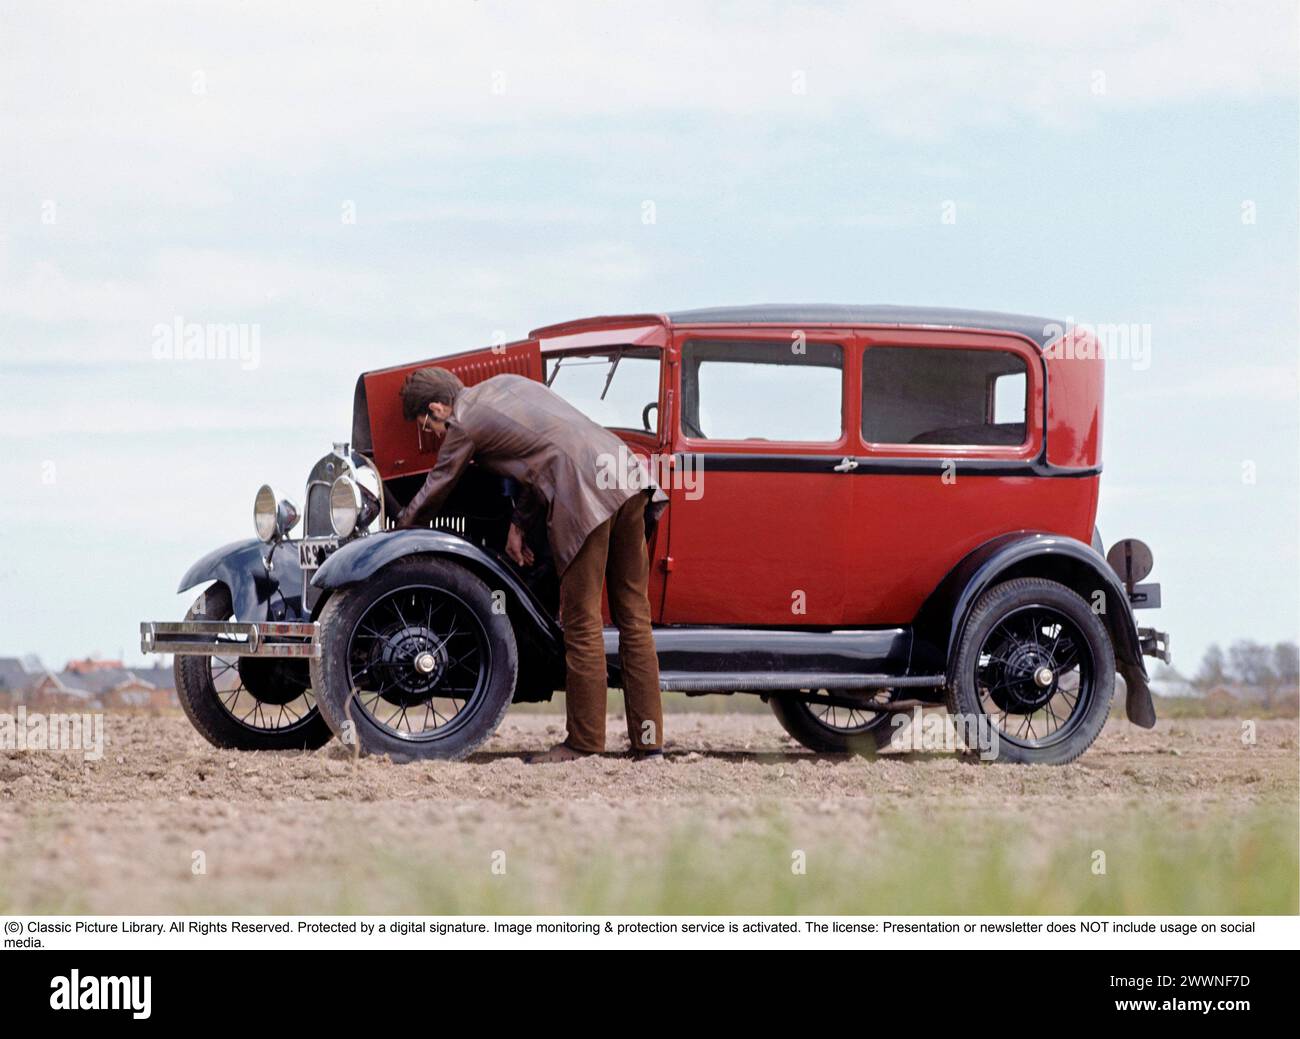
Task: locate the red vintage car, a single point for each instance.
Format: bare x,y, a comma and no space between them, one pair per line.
870,508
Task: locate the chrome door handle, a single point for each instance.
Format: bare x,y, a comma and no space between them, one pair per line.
846,465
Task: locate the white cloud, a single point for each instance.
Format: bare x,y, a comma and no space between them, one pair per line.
112,320
284,86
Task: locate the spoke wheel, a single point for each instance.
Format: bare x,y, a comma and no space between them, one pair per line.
832,728
850,719
247,703
258,698
417,659
1035,668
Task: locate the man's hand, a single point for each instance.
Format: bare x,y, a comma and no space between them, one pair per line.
517,549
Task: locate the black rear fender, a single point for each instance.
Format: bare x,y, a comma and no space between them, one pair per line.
1080,567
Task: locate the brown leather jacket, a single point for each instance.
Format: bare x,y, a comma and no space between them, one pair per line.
577,471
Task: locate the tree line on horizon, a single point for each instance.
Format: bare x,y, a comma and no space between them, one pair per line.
1273,670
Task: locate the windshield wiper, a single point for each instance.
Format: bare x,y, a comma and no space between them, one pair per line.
613,367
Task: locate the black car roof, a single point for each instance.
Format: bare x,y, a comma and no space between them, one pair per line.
1041,330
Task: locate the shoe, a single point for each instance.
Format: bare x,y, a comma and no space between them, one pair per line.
560,752
648,755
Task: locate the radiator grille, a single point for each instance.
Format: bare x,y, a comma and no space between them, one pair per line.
318,512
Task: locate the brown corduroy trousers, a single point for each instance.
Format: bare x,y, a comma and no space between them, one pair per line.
614,555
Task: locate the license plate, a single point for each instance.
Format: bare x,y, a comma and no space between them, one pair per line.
311,554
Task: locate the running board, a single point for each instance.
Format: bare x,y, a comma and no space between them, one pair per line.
691,649
768,681
698,659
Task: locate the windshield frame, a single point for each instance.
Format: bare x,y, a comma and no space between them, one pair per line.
615,354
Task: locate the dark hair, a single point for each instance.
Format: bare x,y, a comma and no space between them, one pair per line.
428,386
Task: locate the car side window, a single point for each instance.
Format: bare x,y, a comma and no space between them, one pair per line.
746,390
933,395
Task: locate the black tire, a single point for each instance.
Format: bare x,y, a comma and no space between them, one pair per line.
369,677
1016,632
833,730
229,717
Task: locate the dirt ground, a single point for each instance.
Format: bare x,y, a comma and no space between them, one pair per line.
166,823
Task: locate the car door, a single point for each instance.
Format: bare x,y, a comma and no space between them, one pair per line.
951,434
758,510
621,387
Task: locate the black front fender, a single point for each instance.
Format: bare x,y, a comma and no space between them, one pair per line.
258,594
942,619
358,559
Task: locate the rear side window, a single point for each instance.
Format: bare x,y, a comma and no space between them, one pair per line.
762,391
930,395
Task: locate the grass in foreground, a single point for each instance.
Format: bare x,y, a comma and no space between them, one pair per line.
891,864
1230,864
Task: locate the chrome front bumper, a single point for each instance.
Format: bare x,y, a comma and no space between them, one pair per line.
230,638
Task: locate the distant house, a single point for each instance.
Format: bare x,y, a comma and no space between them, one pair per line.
117,687
14,680
160,676
87,684
162,681
12,673
66,690
90,665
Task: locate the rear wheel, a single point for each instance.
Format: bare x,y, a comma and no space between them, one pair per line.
834,729
1036,665
415,661
247,703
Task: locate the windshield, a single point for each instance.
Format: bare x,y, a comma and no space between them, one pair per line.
626,377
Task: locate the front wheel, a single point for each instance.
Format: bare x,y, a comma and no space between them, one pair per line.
1036,666
416,661
247,703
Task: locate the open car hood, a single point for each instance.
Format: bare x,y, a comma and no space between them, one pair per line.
379,429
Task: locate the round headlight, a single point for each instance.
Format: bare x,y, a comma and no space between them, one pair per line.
345,506
264,514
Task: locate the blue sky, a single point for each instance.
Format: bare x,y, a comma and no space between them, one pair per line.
196,161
